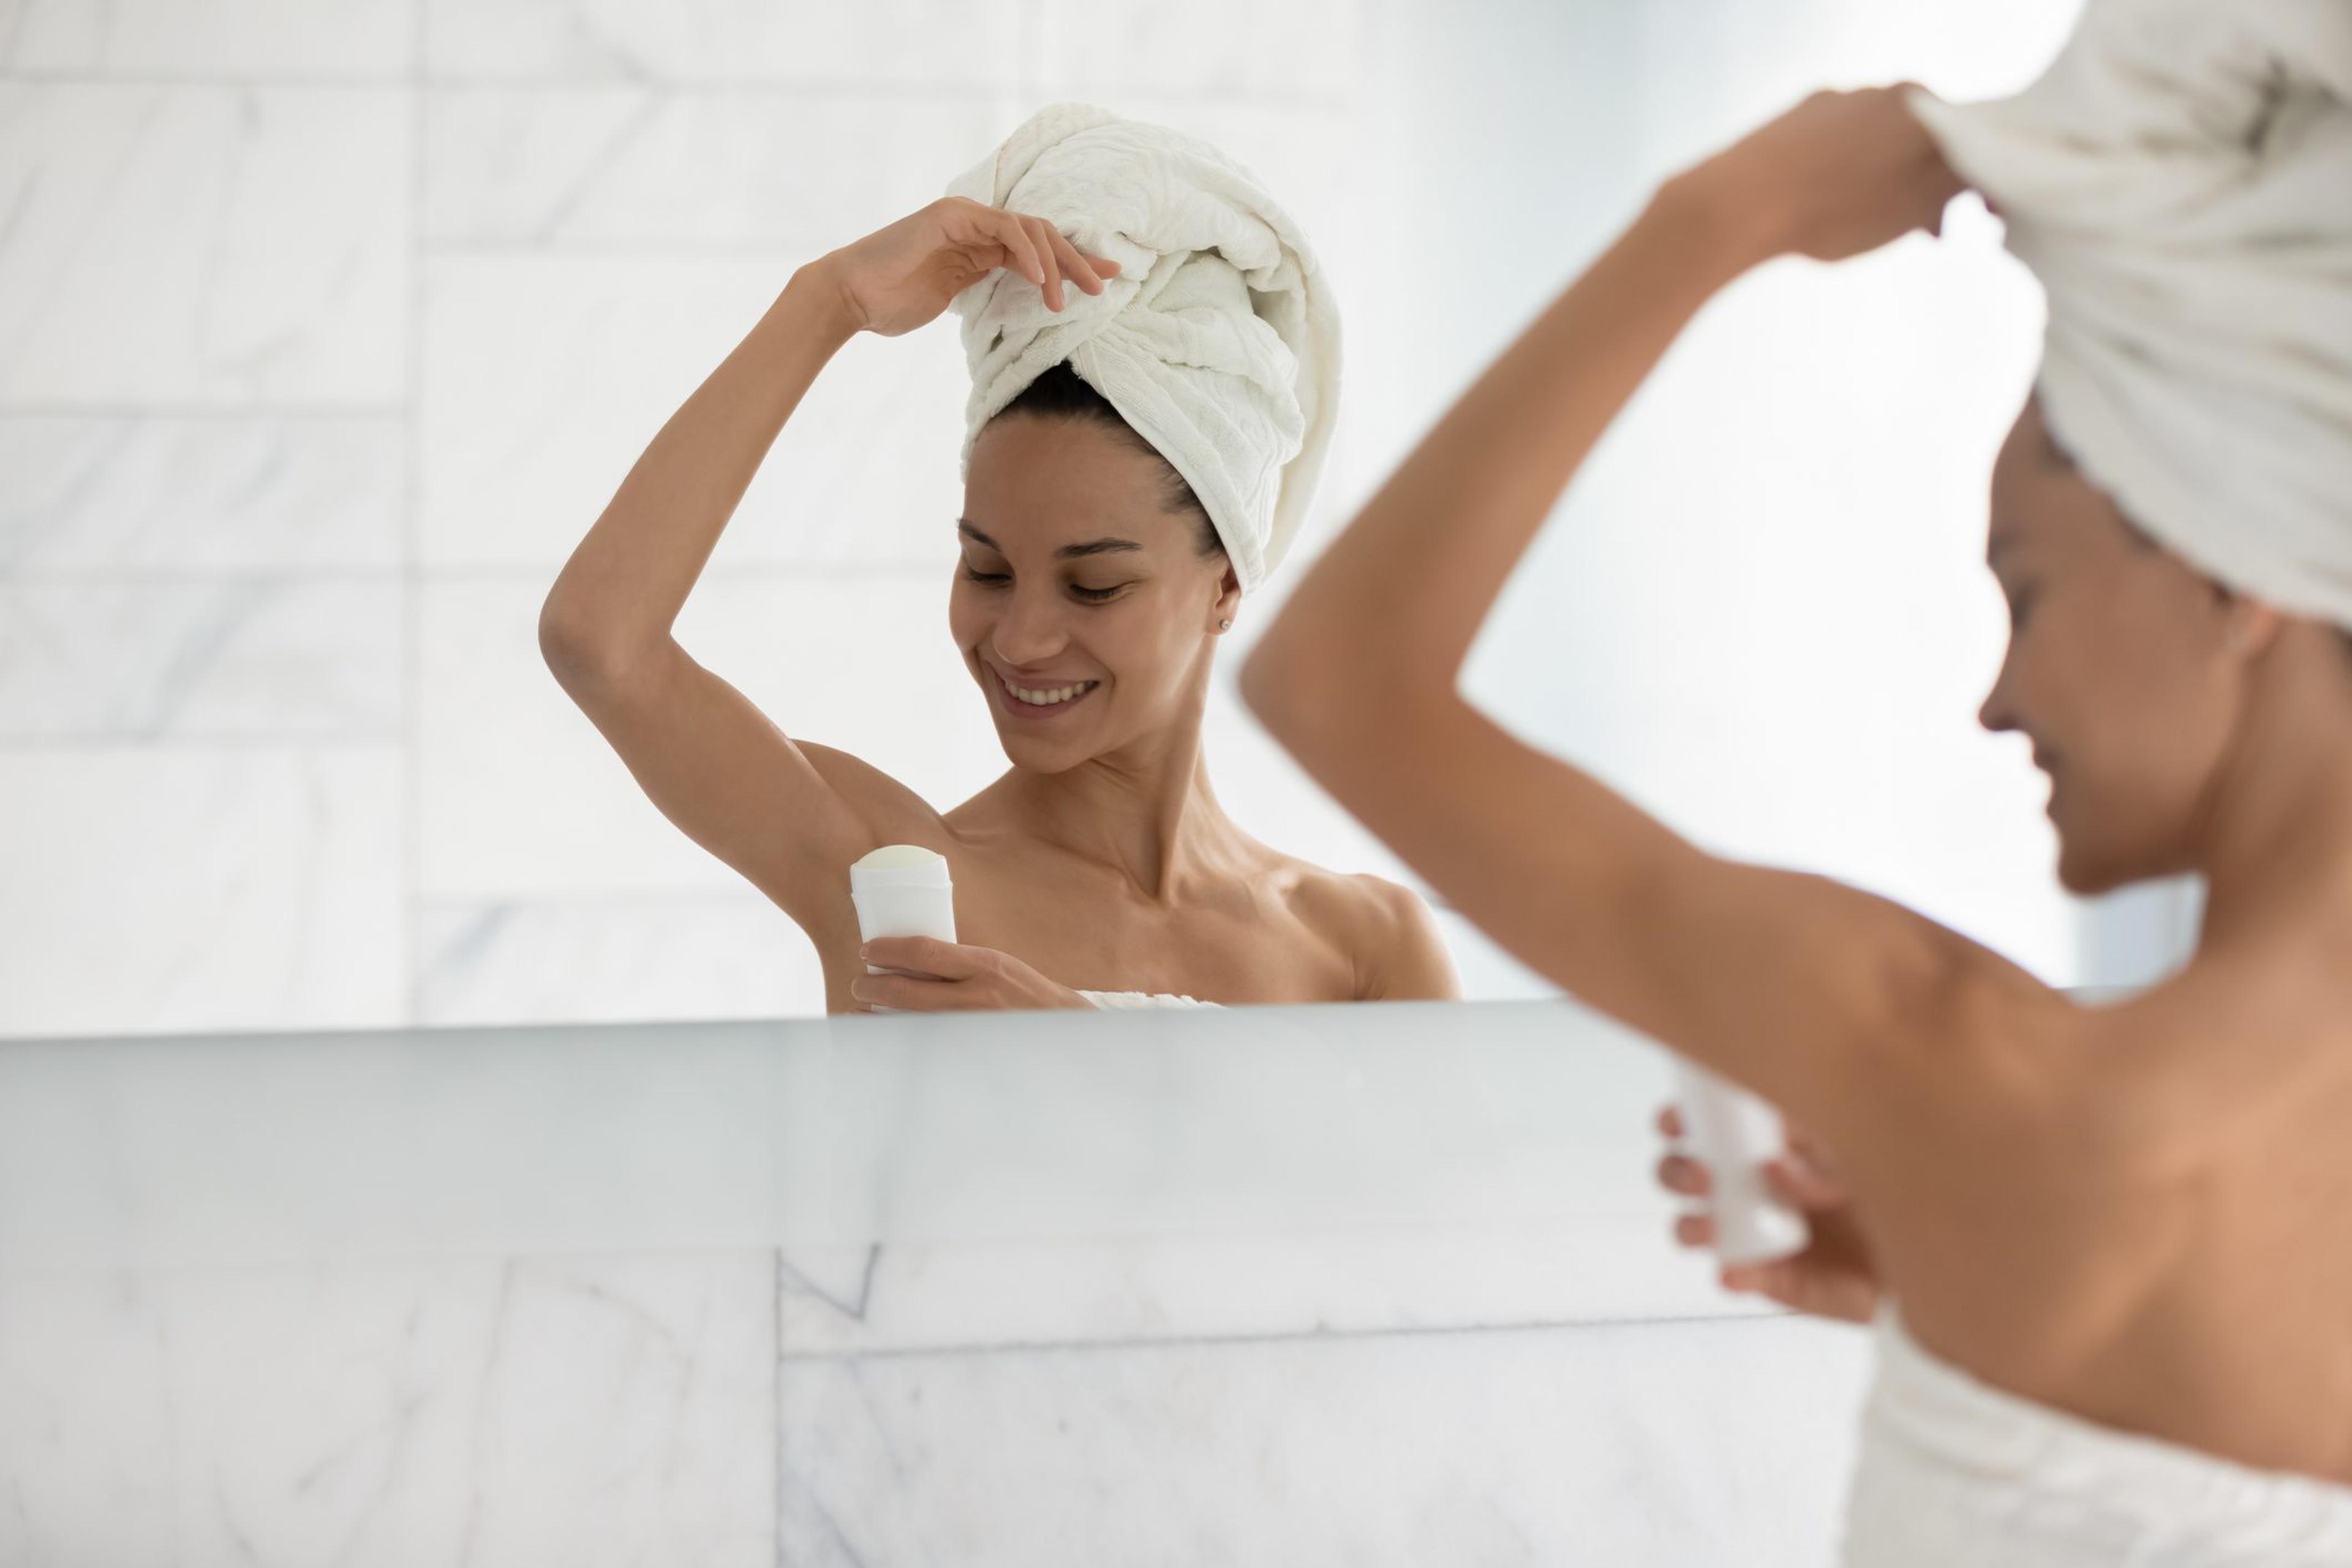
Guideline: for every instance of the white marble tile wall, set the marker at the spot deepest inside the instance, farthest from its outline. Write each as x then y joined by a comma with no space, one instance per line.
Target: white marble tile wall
617,1408
1637,1446
327,326
1267,1287
201,885
218,243
514,1411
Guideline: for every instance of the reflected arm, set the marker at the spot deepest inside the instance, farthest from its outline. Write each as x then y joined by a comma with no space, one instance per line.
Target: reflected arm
1792,983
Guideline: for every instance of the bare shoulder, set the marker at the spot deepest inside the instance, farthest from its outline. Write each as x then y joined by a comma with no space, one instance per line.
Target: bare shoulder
1388,933
2235,1041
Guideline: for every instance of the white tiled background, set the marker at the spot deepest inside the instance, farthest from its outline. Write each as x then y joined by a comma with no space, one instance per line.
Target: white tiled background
327,326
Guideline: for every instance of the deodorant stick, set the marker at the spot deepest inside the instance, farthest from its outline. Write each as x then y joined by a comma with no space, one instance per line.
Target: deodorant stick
902,889
1733,1132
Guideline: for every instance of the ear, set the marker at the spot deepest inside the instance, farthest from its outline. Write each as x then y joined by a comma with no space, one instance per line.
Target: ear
1229,599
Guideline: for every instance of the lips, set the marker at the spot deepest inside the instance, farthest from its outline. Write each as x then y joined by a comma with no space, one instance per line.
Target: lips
2047,762
1042,701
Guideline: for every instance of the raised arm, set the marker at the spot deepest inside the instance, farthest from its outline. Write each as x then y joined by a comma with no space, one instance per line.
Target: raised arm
787,815
1788,982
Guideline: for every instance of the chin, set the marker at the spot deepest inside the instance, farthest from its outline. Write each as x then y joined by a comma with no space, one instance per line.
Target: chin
1038,757
2087,881
2090,870
2085,868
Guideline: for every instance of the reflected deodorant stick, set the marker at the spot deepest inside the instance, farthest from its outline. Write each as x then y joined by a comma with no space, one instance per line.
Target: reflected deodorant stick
1733,1132
902,889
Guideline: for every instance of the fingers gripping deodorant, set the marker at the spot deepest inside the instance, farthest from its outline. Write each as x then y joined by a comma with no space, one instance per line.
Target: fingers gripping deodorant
1733,1132
902,889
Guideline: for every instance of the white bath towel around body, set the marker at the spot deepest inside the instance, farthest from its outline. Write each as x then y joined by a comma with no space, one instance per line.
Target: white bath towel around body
1954,1473
1218,342
2180,183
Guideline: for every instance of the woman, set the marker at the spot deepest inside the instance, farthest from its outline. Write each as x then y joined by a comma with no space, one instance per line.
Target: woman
1095,582
2121,1239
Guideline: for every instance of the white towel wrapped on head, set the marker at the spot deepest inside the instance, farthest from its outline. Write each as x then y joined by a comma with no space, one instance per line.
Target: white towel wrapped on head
1218,342
2180,182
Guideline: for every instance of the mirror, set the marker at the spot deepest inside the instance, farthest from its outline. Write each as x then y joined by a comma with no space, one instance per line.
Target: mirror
278,749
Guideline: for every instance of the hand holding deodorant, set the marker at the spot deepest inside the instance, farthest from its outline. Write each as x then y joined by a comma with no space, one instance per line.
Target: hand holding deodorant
1733,1132
902,889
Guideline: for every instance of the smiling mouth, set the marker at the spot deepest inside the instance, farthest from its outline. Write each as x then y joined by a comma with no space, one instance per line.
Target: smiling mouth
2048,765
1041,702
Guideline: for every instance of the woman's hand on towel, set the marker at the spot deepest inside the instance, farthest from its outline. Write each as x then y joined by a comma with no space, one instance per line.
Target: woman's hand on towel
899,277
950,978
1834,1277
1841,173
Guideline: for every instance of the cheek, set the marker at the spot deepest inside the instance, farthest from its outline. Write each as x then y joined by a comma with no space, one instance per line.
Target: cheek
2105,658
1140,641
2151,669
968,616
2146,720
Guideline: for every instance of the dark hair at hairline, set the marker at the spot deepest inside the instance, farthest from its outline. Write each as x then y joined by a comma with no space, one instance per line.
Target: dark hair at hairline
1061,393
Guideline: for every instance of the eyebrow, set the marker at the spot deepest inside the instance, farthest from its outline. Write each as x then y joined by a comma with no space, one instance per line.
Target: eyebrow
1067,551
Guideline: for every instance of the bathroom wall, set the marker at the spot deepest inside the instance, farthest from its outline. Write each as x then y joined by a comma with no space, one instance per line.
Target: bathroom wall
326,327
1307,1285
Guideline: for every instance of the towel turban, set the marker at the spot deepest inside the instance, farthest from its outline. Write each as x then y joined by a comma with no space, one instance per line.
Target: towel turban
2180,182
1218,343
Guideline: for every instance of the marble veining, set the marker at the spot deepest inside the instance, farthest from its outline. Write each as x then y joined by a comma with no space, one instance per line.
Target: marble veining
515,1411
1323,1284
901,42
126,497
721,955
543,376
243,660
1659,1444
203,244
360,39
646,167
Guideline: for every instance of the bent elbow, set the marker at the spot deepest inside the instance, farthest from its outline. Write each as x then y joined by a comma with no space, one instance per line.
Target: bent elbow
581,656
562,640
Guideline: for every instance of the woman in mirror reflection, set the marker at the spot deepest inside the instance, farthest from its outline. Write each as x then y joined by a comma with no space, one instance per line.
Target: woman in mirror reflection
1155,368
2108,1248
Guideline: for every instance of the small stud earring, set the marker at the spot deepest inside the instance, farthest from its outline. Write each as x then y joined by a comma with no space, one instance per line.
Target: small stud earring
1224,625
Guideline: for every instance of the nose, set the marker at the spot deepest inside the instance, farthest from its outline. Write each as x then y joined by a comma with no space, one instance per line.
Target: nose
1999,714
1030,631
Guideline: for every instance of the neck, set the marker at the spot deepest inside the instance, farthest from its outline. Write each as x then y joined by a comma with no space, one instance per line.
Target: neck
1145,810
2278,835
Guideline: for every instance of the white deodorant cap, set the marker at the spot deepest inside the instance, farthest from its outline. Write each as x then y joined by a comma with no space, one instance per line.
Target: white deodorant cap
900,866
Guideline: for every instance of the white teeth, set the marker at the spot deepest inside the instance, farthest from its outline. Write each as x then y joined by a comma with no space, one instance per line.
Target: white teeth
1049,696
